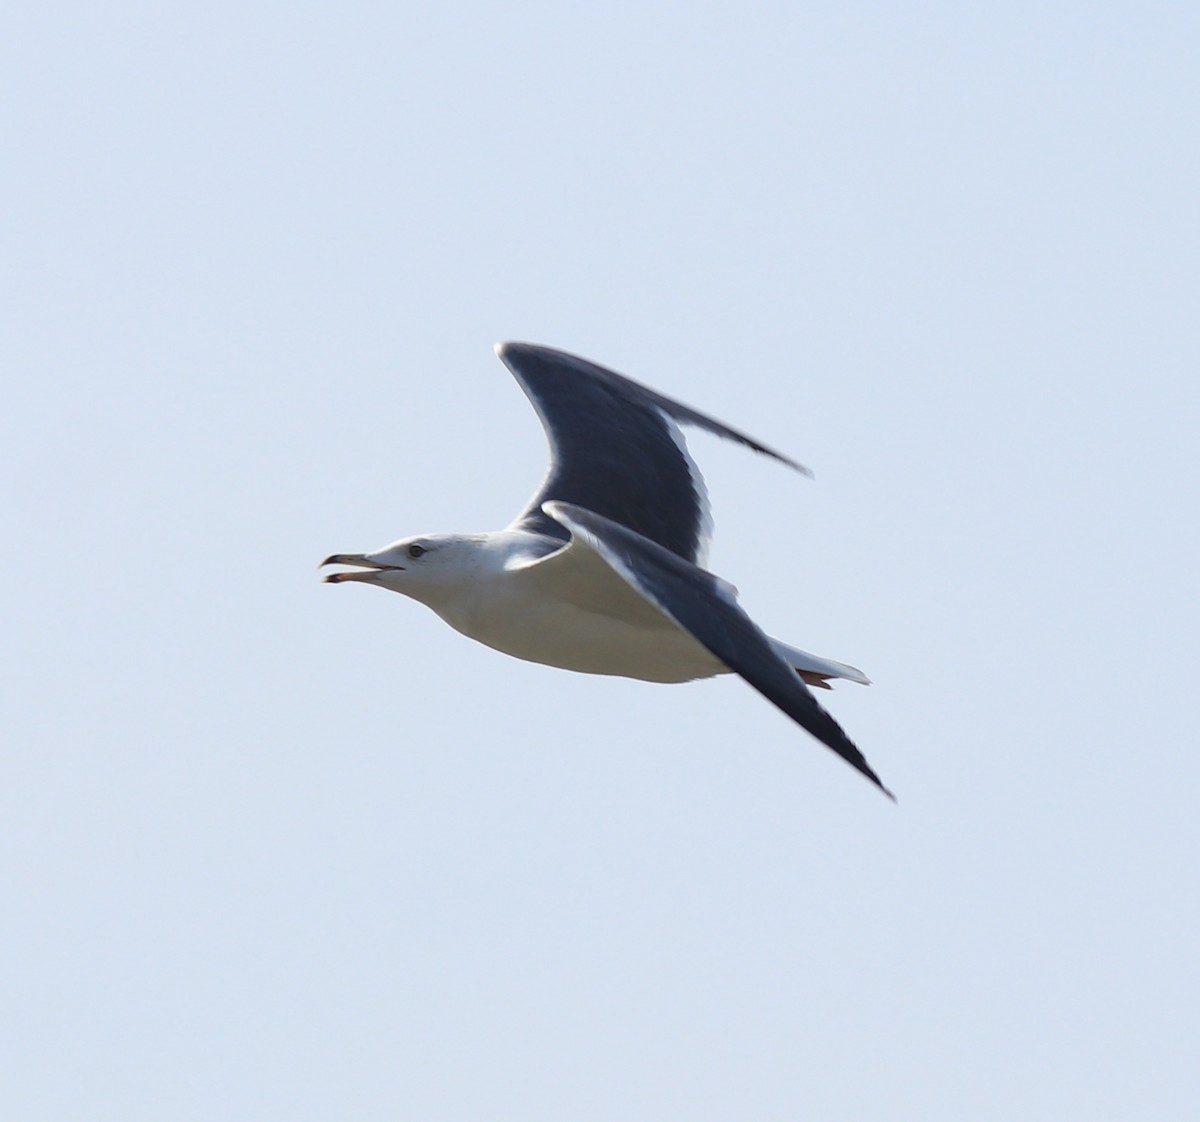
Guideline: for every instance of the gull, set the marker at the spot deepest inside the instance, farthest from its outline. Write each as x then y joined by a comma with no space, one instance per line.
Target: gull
602,572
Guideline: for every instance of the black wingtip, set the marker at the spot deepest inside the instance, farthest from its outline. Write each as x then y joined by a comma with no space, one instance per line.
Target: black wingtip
863,768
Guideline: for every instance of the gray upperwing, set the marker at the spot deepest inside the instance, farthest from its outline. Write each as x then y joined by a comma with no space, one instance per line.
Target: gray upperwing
696,600
614,449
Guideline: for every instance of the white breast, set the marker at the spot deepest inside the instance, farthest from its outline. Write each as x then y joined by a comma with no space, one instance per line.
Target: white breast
575,613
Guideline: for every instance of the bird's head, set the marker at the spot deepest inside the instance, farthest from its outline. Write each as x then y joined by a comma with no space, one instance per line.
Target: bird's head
427,567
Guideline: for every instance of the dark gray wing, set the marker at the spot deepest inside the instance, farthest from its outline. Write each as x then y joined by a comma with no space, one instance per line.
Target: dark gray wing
613,449
699,602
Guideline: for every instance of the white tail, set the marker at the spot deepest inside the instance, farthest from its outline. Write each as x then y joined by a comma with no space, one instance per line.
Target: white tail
816,671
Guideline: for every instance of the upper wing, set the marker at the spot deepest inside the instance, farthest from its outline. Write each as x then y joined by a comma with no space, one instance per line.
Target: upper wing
615,450
700,603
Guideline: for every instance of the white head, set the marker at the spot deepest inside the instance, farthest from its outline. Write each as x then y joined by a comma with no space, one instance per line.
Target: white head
429,567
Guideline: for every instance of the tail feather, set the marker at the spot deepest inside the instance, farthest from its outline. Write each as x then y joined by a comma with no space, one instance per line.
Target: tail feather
816,671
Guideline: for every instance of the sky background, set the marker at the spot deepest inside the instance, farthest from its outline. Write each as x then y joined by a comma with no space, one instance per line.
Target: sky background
274,850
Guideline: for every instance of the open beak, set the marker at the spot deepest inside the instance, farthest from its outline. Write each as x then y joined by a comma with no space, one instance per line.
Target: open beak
361,561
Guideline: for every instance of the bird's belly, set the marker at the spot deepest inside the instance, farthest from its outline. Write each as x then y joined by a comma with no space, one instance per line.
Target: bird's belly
559,634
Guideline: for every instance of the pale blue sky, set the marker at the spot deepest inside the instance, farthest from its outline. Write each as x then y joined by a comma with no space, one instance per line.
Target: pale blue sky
275,850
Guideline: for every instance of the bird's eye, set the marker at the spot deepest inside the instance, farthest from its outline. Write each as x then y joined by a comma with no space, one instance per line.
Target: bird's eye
415,551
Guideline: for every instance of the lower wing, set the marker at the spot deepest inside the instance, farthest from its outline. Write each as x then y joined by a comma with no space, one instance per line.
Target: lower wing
704,606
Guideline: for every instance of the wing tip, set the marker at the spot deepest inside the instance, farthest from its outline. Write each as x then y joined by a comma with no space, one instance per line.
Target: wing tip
865,769
859,763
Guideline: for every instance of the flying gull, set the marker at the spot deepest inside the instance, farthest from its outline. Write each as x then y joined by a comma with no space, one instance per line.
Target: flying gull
602,572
